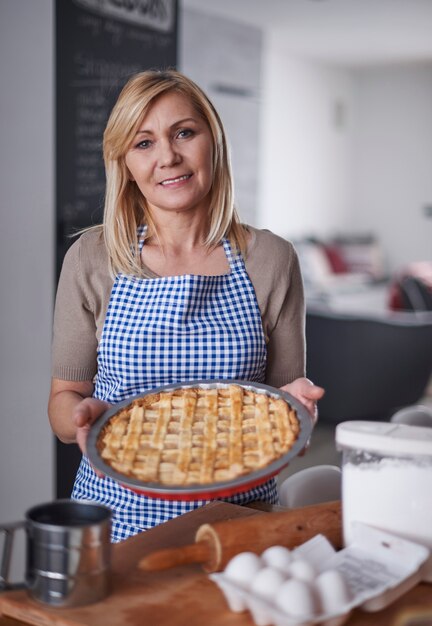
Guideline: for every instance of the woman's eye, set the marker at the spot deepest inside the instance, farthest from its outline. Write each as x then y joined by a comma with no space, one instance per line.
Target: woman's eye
184,133
145,143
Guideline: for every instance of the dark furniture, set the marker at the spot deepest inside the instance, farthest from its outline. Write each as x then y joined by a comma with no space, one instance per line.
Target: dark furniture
370,366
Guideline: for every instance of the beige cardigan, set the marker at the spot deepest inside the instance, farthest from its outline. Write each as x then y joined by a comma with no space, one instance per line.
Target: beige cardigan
85,287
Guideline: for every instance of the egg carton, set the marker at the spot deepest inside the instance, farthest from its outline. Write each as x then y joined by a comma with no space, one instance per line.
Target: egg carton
315,584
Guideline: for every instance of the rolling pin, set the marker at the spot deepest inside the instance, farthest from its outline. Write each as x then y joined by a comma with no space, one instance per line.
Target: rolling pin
215,544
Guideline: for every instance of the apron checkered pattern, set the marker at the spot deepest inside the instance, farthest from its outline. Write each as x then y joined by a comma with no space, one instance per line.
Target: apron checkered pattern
167,330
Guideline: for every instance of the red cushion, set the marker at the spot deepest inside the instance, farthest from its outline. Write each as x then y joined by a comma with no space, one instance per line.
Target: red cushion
336,259
395,298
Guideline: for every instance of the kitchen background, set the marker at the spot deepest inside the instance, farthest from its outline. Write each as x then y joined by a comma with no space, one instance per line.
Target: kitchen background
329,109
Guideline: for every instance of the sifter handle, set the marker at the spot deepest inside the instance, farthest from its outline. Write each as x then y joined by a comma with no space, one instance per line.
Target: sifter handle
9,531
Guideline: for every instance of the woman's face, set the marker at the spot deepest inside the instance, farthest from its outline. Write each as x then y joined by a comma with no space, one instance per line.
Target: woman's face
171,156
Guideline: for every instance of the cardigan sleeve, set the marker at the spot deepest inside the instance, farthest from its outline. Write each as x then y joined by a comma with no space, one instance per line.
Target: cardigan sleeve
286,353
273,267
74,344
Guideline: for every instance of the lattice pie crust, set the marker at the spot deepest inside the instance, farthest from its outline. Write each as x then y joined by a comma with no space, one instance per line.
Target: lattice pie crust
198,436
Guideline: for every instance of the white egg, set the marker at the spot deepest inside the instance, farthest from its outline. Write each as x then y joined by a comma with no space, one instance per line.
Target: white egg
243,567
277,556
303,570
333,591
297,598
267,581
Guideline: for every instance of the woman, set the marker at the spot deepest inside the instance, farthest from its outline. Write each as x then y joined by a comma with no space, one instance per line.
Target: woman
172,287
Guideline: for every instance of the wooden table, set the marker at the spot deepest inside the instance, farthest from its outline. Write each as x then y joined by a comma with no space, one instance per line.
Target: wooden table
182,596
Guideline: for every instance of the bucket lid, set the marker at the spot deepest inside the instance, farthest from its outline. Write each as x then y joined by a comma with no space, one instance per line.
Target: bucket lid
384,437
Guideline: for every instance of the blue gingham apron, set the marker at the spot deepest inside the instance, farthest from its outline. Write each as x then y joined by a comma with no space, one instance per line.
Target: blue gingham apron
166,330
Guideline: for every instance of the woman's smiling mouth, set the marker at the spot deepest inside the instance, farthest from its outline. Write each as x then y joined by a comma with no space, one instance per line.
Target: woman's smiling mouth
173,181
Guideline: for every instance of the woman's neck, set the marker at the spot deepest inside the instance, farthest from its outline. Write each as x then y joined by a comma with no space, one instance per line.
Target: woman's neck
179,231
178,248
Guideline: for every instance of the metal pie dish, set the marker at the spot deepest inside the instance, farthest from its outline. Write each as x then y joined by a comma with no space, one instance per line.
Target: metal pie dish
220,489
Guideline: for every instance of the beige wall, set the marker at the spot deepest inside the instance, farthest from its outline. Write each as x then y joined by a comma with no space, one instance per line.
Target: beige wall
392,159
26,253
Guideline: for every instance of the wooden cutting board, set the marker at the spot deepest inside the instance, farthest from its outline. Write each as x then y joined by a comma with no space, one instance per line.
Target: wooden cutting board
183,596
176,597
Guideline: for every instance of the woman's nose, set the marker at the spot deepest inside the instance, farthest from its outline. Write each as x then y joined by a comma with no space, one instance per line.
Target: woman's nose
168,155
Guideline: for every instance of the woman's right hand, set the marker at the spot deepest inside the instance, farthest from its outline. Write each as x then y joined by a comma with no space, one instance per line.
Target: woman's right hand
84,414
72,410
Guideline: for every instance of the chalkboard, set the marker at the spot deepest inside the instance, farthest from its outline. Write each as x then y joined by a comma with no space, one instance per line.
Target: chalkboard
99,45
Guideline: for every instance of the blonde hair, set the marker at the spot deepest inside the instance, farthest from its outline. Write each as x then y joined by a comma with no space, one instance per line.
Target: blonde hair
125,206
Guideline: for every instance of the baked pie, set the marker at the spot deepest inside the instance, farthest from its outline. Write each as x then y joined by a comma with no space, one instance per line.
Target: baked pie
194,435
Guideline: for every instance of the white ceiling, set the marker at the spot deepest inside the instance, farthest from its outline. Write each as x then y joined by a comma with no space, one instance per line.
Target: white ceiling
348,32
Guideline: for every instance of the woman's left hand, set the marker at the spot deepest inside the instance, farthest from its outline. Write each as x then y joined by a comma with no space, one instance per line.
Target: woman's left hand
307,393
